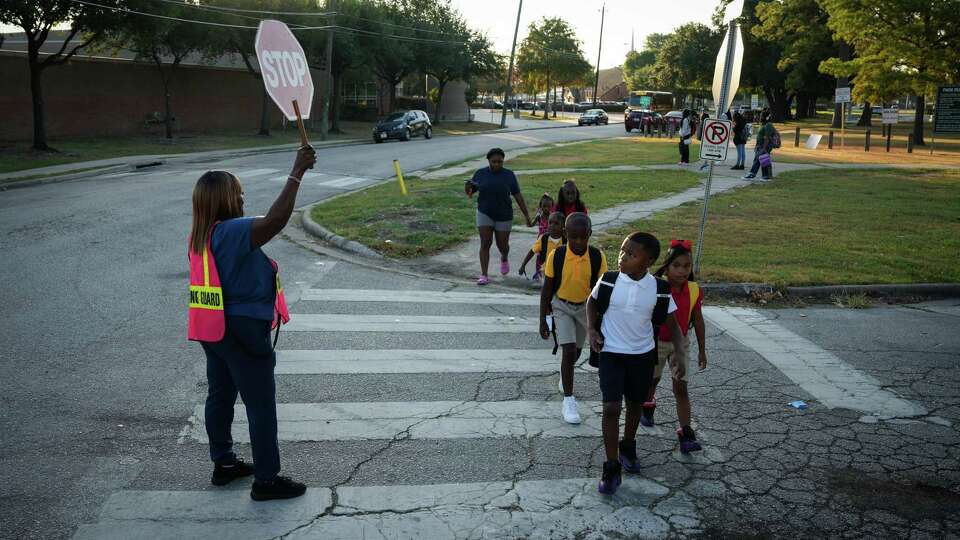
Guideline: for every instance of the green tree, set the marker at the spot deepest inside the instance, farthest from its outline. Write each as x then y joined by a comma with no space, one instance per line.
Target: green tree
639,68
551,54
38,18
165,43
686,59
800,27
901,46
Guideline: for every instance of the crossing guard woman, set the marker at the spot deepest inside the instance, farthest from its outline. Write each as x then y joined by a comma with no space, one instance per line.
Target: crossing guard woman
235,300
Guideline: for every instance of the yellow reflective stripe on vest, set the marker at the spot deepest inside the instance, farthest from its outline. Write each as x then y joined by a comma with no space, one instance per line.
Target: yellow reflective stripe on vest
202,297
206,268
279,286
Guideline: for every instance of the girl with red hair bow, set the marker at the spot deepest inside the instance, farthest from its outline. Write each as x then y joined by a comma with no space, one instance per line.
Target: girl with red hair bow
678,270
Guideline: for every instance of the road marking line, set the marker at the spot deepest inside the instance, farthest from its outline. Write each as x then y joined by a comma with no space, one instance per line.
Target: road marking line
408,323
425,420
307,362
501,509
822,374
250,173
420,297
344,182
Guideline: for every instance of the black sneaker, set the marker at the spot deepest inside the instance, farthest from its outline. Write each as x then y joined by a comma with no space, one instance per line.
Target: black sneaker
610,480
224,474
628,456
280,487
688,440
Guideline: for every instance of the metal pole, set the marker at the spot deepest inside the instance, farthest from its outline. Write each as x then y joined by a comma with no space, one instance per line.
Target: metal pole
596,80
513,50
327,75
724,91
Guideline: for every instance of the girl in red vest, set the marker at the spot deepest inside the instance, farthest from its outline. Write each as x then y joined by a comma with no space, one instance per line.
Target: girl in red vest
235,299
678,270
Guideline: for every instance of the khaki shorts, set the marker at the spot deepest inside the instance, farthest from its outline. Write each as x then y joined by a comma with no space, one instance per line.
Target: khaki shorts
571,322
679,367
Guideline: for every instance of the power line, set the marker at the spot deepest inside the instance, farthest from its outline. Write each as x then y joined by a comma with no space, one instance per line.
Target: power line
238,10
394,25
194,21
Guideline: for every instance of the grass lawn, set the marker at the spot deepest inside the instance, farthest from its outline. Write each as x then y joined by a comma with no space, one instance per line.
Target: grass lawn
437,215
17,156
825,227
630,150
849,148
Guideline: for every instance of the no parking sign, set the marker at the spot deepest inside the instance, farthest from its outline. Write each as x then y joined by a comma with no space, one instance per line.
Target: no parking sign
716,135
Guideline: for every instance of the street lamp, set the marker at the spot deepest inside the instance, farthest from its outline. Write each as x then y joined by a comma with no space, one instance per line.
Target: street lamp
596,80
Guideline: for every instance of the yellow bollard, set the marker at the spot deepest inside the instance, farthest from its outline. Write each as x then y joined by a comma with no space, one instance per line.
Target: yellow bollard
403,187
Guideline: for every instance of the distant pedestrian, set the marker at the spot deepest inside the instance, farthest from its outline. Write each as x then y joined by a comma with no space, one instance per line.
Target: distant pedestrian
235,295
568,199
686,133
544,245
700,125
624,312
495,185
570,272
767,139
740,140
678,270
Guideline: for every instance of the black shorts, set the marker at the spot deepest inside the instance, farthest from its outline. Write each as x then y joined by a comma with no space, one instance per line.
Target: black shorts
627,375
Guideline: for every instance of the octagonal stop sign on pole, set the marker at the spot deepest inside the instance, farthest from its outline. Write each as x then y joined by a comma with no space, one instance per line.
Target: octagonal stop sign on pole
286,74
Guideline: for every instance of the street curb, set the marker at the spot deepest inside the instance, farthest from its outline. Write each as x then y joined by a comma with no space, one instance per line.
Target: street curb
193,157
350,246
137,162
931,290
66,177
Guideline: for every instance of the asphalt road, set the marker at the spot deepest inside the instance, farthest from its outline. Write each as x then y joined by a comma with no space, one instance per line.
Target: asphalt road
94,363
100,390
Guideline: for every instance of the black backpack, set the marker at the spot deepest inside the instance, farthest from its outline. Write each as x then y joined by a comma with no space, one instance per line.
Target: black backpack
607,282
559,254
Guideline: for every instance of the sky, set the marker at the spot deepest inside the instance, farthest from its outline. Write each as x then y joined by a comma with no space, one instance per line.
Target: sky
497,18
641,17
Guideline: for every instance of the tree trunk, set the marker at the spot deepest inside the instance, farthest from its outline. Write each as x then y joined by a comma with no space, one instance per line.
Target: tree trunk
777,98
391,104
788,112
546,100
842,82
918,121
803,105
39,114
335,104
265,114
812,107
866,115
440,86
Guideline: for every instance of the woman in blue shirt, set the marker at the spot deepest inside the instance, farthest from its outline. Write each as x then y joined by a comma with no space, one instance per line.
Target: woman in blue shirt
494,186
243,361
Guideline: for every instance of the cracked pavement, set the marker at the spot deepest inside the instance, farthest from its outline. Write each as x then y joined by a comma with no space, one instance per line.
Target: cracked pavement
767,470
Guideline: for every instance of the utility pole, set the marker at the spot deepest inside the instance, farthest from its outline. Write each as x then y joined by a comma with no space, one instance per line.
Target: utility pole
596,80
327,75
513,50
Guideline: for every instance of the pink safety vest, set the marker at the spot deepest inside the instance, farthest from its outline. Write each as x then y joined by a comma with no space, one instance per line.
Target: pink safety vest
205,316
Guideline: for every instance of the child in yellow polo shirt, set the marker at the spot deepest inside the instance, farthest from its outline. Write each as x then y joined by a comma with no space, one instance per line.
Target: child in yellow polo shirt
570,273
550,240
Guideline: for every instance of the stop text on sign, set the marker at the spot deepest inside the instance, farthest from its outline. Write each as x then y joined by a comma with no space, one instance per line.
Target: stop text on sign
284,68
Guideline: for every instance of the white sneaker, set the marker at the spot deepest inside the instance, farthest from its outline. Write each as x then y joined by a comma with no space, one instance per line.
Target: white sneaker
570,413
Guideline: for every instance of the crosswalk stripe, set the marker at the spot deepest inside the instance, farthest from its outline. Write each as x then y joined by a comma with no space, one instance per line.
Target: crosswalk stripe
420,297
822,374
306,362
408,323
421,419
501,509
344,182
250,173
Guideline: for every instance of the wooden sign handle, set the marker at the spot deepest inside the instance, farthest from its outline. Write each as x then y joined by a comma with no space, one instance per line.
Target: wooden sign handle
303,131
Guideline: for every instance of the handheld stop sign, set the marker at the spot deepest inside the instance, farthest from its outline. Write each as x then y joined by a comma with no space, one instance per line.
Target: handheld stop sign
286,74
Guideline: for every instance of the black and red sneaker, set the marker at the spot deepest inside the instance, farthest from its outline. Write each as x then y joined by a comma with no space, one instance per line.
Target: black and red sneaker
646,419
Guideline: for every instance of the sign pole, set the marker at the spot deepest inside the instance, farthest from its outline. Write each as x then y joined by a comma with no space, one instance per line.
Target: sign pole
724,91
843,124
303,131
